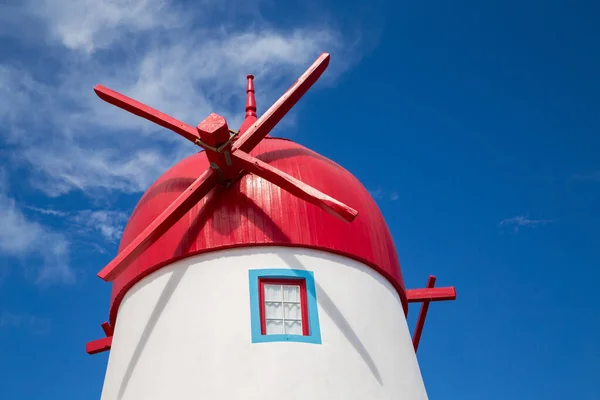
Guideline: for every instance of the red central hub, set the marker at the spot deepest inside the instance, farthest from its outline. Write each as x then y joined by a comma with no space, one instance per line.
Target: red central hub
215,133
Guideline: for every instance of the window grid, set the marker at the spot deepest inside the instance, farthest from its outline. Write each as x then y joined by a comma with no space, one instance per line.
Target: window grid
283,302
300,300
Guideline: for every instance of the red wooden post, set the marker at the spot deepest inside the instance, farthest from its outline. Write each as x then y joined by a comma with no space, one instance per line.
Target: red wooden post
422,315
250,100
250,106
108,330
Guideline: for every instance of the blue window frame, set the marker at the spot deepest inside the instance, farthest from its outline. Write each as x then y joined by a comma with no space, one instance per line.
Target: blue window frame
302,279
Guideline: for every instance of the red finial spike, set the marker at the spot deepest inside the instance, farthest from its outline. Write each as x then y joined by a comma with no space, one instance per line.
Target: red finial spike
250,100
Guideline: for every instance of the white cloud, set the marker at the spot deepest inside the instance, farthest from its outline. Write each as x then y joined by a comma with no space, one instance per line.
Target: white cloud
70,166
151,51
109,224
380,194
523,222
23,238
89,25
377,194
48,211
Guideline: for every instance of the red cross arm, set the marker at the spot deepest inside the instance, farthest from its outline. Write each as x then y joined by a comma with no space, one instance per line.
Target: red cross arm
294,186
147,112
431,294
186,200
281,107
98,346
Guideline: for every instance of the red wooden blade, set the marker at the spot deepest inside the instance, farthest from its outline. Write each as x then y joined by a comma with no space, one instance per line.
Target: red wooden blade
98,346
269,119
147,112
294,186
431,294
186,200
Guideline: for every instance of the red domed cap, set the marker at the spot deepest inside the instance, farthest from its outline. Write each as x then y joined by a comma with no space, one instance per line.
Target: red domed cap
255,212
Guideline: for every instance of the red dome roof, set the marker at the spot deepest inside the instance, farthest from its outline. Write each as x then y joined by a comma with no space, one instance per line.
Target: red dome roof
255,212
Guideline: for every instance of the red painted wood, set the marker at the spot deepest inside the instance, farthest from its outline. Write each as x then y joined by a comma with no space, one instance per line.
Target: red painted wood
255,212
262,306
108,330
99,346
147,112
294,186
159,226
304,308
280,108
431,294
422,316
250,100
247,123
214,132
284,281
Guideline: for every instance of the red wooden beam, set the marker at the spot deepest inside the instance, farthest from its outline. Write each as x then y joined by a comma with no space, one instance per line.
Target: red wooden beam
431,294
147,112
108,330
294,186
98,346
186,200
422,316
280,108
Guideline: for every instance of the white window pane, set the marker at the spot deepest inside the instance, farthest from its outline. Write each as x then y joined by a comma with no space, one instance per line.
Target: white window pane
292,311
273,293
274,327
291,293
273,310
293,327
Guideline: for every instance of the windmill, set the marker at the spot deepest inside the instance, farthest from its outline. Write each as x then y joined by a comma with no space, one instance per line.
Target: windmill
248,255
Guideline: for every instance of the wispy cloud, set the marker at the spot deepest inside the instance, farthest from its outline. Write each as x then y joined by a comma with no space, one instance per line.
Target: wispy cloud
522,221
31,323
25,239
381,194
154,52
89,25
48,211
108,223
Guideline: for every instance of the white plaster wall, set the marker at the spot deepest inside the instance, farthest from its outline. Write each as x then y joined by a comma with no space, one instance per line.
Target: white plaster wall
184,333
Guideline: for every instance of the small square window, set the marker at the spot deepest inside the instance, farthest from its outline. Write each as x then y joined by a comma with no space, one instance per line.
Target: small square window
283,306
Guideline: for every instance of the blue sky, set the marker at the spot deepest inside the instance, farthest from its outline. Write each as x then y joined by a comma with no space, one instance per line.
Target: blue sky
474,124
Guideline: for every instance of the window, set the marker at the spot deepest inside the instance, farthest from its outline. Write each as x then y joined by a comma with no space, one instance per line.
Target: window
283,306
